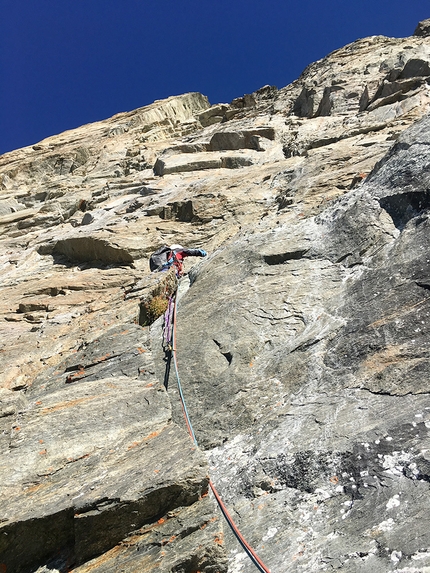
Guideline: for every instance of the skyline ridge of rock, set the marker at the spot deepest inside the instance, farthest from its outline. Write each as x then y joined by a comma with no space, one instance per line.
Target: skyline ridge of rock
302,338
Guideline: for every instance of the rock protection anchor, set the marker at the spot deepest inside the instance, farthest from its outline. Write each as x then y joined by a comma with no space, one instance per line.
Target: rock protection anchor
169,345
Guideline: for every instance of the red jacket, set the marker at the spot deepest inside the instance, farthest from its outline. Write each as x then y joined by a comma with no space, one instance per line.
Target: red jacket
179,256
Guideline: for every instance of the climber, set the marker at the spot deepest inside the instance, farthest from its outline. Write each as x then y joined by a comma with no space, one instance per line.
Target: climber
166,257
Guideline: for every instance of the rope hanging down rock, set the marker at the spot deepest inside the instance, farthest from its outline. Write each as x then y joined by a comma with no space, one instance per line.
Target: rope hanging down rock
169,329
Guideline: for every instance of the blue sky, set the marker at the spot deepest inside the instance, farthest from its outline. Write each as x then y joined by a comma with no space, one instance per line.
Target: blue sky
64,63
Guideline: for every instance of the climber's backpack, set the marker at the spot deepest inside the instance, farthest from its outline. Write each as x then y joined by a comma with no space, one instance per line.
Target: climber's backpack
159,258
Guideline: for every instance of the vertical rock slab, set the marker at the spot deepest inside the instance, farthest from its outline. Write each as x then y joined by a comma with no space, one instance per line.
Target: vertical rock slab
189,539
120,464
314,404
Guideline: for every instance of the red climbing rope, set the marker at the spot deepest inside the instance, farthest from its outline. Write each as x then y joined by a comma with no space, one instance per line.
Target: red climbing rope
251,553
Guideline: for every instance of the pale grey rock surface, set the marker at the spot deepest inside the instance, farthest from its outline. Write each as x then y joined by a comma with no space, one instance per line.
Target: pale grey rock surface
302,338
329,330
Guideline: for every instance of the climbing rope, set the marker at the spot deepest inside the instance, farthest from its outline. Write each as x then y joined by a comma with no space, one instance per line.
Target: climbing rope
248,549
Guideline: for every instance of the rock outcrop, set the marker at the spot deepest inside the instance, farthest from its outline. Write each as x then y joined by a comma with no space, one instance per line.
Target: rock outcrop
302,339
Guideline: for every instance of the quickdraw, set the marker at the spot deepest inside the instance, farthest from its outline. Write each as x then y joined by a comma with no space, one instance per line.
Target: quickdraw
167,326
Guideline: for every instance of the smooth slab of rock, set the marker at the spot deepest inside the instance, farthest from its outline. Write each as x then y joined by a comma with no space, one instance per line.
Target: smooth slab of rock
318,363
190,538
86,249
120,351
88,464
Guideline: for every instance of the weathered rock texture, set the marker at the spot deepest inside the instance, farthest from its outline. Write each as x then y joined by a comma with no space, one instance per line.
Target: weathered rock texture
303,338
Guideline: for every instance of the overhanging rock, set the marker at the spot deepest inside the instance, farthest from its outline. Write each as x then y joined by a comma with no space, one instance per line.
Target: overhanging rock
120,466
88,249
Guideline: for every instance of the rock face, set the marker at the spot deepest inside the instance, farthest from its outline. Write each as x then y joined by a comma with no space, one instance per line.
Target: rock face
302,339
423,28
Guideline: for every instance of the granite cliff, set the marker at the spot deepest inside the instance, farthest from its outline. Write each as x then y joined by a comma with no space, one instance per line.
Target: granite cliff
302,339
